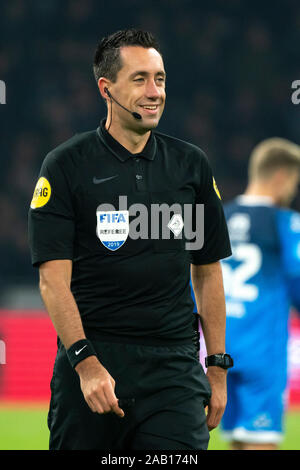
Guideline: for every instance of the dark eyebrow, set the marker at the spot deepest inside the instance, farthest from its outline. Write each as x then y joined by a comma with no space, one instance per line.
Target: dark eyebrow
145,74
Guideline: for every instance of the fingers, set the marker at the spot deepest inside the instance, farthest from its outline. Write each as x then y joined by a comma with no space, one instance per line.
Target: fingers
112,401
214,416
101,398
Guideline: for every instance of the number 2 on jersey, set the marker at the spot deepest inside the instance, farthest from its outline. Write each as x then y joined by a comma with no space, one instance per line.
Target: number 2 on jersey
236,280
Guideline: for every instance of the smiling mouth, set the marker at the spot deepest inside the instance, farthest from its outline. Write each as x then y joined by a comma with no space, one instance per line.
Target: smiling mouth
150,107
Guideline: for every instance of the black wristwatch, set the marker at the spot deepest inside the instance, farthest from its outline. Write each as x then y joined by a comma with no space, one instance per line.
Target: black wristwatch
220,360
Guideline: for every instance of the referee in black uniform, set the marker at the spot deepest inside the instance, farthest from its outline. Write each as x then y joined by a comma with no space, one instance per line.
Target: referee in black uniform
126,375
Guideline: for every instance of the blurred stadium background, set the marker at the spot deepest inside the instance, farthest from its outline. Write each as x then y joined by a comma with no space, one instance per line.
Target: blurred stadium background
230,67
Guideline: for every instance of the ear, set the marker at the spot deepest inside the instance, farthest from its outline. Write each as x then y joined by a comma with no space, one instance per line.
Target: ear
103,83
281,174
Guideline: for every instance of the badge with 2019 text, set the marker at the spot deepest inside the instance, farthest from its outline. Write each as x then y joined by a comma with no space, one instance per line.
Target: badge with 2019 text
112,228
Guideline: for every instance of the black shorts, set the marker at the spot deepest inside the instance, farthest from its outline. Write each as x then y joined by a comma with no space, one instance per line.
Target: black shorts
162,389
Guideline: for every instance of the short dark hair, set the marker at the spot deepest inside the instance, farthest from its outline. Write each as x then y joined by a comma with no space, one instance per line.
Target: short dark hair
272,154
107,59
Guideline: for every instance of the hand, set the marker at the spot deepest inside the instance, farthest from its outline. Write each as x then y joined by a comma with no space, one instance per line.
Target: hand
98,387
216,407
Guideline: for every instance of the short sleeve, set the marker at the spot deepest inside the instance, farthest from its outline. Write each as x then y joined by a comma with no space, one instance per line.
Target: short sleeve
51,215
216,244
288,223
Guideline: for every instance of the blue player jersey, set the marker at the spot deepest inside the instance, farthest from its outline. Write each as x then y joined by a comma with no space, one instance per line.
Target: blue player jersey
261,281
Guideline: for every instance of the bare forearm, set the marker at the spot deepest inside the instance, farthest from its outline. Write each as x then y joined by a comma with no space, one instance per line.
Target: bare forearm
61,306
209,293
64,313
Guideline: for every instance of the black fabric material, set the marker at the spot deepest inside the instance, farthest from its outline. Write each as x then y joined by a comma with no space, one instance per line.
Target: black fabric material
163,391
142,288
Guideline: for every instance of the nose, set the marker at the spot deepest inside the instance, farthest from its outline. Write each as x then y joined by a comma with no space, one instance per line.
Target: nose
152,90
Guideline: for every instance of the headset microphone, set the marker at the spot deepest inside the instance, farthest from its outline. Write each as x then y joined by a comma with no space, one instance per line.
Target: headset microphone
134,114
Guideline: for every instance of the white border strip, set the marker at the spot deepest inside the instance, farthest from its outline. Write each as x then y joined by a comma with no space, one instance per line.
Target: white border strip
253,437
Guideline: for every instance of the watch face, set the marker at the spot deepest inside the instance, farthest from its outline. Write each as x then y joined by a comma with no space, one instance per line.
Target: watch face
220,360
228,362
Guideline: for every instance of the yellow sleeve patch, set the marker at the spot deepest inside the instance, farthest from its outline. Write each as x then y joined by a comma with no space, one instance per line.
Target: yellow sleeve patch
216,188
42,193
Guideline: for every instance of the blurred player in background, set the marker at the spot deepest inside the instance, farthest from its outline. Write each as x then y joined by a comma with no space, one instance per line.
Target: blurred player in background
262,282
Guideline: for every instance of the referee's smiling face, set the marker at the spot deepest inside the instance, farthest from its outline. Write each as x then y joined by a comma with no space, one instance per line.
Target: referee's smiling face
140,87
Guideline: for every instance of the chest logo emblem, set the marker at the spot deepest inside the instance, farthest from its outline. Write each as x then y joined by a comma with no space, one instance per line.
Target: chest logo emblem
102,180
113,228
176,224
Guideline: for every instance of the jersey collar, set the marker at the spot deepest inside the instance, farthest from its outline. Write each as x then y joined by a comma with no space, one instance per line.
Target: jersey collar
121,152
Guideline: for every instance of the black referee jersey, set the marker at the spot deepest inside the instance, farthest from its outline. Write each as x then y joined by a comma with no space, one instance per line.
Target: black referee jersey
127,286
